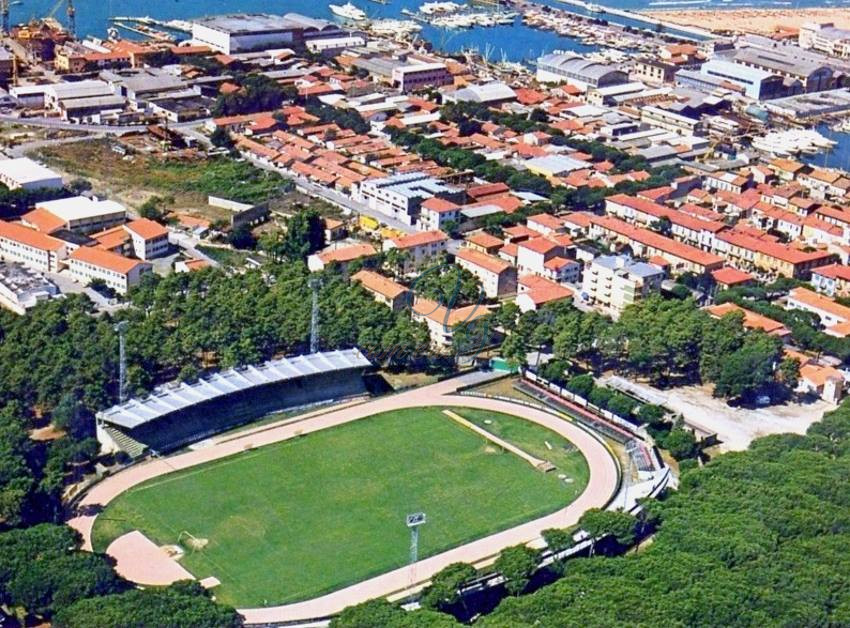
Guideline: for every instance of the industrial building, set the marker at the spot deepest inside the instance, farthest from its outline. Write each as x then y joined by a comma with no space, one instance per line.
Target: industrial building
400,196
756,83
578,71
26,174
250,32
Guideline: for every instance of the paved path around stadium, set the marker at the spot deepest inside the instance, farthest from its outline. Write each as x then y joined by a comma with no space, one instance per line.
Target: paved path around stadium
602,485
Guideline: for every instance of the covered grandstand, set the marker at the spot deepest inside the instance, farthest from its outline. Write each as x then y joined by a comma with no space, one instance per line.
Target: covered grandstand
178,413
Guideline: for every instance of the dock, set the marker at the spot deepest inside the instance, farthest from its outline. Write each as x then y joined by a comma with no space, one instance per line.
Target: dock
598,9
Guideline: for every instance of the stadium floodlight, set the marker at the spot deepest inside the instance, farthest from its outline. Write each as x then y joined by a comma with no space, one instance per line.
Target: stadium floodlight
413,521
121,328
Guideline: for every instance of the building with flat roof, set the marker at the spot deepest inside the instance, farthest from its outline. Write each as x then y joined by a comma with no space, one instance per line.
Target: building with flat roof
401,196
615,282
757,83
248,32
825,37
78,213
22,288
24,173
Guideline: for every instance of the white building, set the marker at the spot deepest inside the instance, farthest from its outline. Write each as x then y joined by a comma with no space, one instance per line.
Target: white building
30,247
497,277
149,239
120,273
615,282
419,248
435,212
24,173
251,32
22,288
400,196
78,213
416,76
546,257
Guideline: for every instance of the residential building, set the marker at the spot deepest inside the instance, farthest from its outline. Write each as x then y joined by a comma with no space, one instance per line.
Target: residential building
497,277
534,292
442,322
383,290
825,37
418,76
418,248
831,314
547,257
342,255
120,273
615,282
751,320
645,243
832,280
435,212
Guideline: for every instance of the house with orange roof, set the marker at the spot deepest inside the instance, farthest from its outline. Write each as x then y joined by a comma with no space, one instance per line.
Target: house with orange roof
483,242
831,313
383,289
31,248
751,320
534,292
148,239
497,277
87,264
418,248
545,224
645,243
342,255
547,257
435,212
190,265
442,322
729,277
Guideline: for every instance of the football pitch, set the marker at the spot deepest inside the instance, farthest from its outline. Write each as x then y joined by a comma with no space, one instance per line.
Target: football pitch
299,518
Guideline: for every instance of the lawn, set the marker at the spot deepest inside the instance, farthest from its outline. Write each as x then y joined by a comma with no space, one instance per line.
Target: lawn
292,520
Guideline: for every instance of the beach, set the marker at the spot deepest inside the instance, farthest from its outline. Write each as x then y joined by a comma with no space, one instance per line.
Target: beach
763,21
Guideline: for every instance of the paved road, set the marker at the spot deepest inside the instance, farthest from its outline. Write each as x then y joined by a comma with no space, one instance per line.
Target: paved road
111,129
22,149
602,486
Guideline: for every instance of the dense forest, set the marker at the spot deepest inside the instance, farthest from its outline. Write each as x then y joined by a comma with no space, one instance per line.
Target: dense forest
755,538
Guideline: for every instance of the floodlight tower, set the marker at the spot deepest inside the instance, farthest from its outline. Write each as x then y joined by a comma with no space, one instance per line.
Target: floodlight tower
414,521
314,284
121,328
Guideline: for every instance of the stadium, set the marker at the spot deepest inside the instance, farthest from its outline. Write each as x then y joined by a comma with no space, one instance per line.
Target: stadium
297,519
180,413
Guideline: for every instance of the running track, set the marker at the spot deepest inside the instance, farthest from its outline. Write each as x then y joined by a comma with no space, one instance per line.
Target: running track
602,485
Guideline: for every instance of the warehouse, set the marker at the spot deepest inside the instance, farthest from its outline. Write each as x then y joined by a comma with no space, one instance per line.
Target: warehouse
578,71
26,174
247,32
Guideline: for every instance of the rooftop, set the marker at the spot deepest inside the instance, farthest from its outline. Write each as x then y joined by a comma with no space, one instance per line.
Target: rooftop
179,395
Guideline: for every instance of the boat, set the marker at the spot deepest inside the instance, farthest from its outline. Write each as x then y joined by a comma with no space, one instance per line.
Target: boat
595,8
348,11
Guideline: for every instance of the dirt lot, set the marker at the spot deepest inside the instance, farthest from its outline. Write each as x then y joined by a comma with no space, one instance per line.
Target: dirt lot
737,427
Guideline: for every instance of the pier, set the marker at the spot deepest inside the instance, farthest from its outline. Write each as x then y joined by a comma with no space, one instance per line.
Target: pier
597,9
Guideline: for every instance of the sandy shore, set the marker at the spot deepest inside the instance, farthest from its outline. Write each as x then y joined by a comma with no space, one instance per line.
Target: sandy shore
763,21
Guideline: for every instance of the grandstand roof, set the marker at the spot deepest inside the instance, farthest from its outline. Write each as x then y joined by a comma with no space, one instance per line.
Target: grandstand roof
178,396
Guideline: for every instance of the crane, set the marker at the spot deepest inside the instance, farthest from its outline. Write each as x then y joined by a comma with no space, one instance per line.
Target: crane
70,11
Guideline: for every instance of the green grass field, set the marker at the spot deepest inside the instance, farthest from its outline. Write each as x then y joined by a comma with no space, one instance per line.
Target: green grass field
296,519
